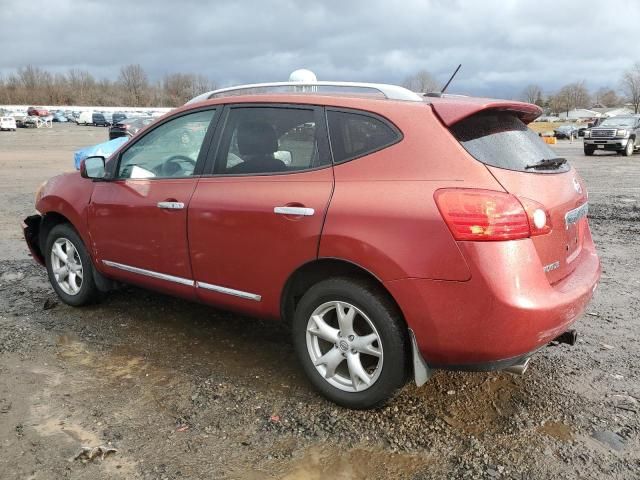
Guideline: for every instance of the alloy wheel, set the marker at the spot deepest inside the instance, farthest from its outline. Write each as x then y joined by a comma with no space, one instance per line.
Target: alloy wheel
344,346
67,266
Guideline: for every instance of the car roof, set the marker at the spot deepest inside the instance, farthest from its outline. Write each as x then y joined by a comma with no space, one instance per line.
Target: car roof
450,109
368,96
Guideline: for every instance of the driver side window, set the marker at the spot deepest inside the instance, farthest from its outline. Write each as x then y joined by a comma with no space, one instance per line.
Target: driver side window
169,151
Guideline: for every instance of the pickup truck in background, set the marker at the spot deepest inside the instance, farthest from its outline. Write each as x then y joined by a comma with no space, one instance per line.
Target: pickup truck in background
618,134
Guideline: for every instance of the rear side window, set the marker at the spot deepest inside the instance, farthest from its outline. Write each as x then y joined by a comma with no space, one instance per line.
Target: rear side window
502,140
354,135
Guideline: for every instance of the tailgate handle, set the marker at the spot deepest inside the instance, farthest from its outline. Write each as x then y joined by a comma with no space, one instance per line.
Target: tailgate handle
298,211
171,205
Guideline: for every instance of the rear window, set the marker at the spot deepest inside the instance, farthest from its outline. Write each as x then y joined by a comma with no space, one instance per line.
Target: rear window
502,140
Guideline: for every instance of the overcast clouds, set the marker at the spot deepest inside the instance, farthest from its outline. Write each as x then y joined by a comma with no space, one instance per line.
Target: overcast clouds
502,44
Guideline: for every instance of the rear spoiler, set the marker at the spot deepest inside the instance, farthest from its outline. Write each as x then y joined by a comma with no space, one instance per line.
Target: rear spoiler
452,109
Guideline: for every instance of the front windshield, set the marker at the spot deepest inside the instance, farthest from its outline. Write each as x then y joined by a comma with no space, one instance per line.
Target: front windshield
619,122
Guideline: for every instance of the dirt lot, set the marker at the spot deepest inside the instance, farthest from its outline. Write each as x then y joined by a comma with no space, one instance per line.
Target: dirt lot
184,391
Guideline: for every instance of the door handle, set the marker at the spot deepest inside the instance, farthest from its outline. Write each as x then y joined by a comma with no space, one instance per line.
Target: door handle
298,211
171,205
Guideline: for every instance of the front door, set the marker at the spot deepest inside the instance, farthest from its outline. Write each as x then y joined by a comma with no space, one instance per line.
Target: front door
138,220
260,215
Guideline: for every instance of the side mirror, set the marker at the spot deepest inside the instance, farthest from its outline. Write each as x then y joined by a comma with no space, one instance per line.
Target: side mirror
92,167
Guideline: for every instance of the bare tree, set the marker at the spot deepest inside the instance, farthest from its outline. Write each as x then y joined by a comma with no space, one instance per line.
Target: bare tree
81,85
573,95
33,78
532,93
606,97
180,87
422,82
135,84
631,86
35,86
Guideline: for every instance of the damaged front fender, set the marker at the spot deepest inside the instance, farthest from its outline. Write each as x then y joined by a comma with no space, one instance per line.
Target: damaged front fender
31,231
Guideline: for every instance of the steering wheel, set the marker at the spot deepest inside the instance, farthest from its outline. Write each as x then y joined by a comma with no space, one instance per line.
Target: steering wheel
172,165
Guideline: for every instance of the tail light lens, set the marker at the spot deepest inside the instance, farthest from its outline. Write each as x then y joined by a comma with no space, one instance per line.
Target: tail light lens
487,215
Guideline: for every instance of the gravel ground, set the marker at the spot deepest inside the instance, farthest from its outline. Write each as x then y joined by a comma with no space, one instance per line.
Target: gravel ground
184,391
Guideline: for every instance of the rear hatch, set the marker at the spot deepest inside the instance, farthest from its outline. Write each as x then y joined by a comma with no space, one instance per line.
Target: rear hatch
527,168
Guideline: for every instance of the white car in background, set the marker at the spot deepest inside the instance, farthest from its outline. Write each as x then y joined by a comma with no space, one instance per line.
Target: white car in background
8,123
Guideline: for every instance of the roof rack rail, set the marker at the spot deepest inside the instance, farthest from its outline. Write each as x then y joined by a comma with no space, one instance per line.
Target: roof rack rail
390,92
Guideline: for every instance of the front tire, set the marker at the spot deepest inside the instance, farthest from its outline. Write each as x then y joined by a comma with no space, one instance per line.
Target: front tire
588,151
69,266
351,342
629,149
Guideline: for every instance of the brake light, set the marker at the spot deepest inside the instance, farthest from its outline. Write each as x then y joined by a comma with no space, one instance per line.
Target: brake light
487,215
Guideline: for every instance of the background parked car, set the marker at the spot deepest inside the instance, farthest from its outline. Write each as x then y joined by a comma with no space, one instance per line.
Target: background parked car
108,116
117,117
566,131
30,121
98,119
128,127
59,117
19,118
85,118
8,123
37,111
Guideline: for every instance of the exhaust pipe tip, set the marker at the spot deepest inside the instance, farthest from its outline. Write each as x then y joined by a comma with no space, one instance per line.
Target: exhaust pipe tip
519,368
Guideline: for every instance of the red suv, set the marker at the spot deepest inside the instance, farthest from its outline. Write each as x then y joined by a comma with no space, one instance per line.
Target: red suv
37,111
395,233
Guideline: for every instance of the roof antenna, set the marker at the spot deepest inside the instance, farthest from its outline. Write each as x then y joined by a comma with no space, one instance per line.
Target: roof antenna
441,92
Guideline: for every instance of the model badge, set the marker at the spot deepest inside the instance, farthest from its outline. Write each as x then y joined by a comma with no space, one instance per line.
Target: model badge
576,185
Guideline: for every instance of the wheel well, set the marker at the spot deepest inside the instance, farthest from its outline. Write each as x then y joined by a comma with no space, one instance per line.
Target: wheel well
313,272
50,220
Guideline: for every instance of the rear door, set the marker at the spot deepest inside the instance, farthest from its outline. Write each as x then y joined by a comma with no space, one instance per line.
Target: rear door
259,215
510,150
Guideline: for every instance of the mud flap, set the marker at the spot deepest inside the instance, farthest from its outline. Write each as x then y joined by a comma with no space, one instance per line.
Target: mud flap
421,371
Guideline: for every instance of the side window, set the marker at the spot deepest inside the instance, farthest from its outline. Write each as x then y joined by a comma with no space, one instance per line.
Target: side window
169,151
354,135
259,140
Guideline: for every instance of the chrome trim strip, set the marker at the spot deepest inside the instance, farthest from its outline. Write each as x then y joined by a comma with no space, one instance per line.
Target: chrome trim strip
229,291
303,211
183,281
572,216
149,273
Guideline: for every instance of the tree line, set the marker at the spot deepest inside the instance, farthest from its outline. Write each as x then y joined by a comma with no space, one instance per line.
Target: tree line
570,96
35,86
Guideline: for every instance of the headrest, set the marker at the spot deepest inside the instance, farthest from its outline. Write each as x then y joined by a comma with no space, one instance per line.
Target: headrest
256,138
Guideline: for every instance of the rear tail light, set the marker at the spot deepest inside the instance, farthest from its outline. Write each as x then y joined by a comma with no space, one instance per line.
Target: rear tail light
487,215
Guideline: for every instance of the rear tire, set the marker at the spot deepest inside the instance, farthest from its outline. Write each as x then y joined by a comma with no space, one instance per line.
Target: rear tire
70,267
588,151
351,342
630,148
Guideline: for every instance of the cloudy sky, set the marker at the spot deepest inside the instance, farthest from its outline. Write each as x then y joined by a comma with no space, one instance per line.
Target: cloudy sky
502,44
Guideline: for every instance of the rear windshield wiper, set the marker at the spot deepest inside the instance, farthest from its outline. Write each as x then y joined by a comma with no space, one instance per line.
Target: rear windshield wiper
547,164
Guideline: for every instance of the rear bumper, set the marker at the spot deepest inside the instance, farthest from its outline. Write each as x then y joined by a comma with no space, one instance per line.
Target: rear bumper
31,232
506,311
